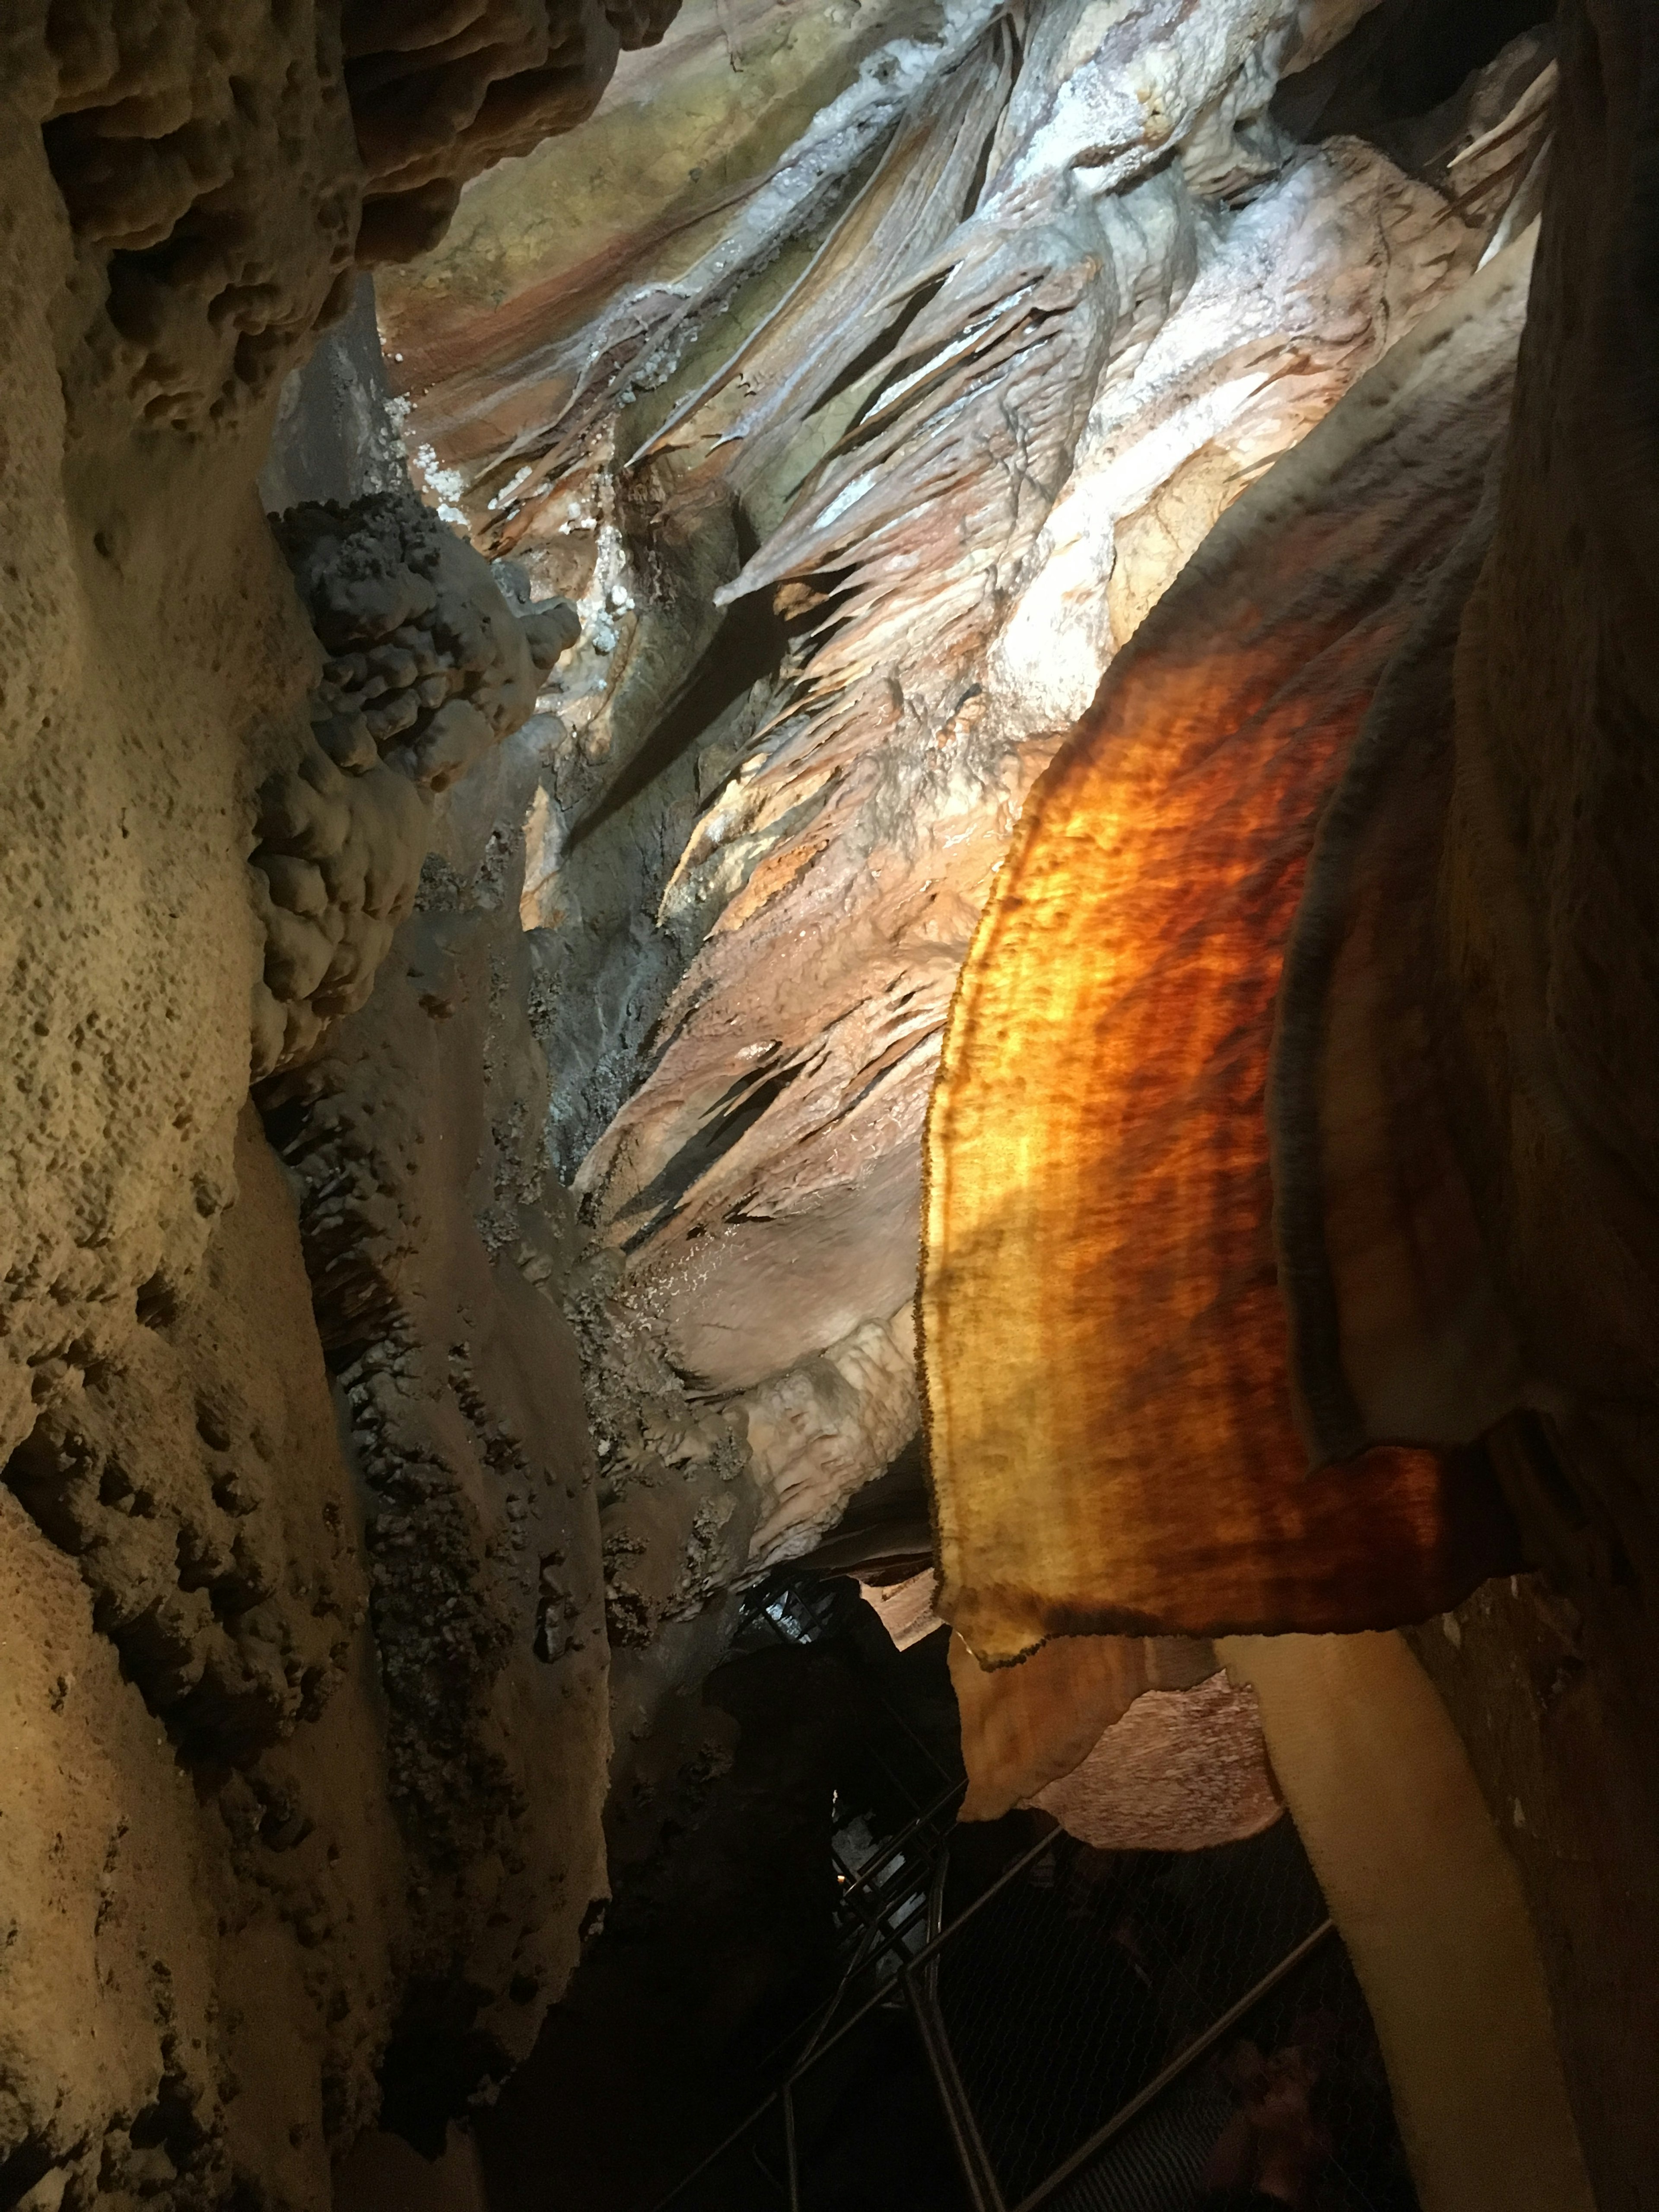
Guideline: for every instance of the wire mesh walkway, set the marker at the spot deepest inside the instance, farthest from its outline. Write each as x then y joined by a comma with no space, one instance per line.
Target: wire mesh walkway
1022,2023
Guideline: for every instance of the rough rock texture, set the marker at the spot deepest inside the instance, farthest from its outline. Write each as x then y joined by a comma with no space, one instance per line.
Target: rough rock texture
228,1590
913,331
414,1138
1132,1743
341,1725
215,1919
835,473
196,1851
181,211
430,669
129,728
1183,1770
165,134
1024,1727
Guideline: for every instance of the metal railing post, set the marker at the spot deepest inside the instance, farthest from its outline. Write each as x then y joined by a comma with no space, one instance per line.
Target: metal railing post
922,1993
982,2191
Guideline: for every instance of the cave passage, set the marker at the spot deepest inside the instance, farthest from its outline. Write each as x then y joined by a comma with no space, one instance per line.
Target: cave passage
995,2015
829,1159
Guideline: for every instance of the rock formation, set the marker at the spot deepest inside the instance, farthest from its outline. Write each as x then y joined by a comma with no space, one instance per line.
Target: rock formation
1102,1216
845,513
474,1005
841,474
1434,1203
271,1839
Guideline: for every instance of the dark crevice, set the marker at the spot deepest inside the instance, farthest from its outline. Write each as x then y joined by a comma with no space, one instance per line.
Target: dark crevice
1398,62
748,646
732,1118
435,2062
880,347
21,2169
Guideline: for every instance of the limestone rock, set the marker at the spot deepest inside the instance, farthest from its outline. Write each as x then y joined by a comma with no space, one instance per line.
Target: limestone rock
414,1141
430,668
836,484
195,1847
1183,1770
213,1933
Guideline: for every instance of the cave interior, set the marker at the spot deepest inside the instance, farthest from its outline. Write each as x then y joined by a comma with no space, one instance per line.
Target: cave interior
829,885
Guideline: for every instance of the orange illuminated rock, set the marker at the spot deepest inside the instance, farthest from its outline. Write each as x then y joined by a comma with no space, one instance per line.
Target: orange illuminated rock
1025,1727
1107,1364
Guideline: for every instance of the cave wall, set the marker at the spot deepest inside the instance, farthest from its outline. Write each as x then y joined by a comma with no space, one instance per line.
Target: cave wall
316,1574
1455,1224
837,474
158,287
1558,1751
1430,1907
203,1877
804,718
841,571
274,1796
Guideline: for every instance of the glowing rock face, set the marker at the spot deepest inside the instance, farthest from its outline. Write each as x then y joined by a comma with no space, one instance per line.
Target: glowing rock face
1182,1770
1024,1727
1028,1726
1114,1438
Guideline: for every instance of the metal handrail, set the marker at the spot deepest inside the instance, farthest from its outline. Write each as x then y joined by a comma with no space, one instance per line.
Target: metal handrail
980,2182
918,1979
1177,2066
929,1950
866,1956
922,1991
898,1842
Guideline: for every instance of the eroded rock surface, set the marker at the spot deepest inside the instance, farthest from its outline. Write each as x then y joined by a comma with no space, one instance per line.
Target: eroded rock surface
198,1851
226,1849
430,669
414,1141
1183,1770
920,359
837,475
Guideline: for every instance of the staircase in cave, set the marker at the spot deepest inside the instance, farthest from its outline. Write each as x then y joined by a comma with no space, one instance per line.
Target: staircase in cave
1022,2021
